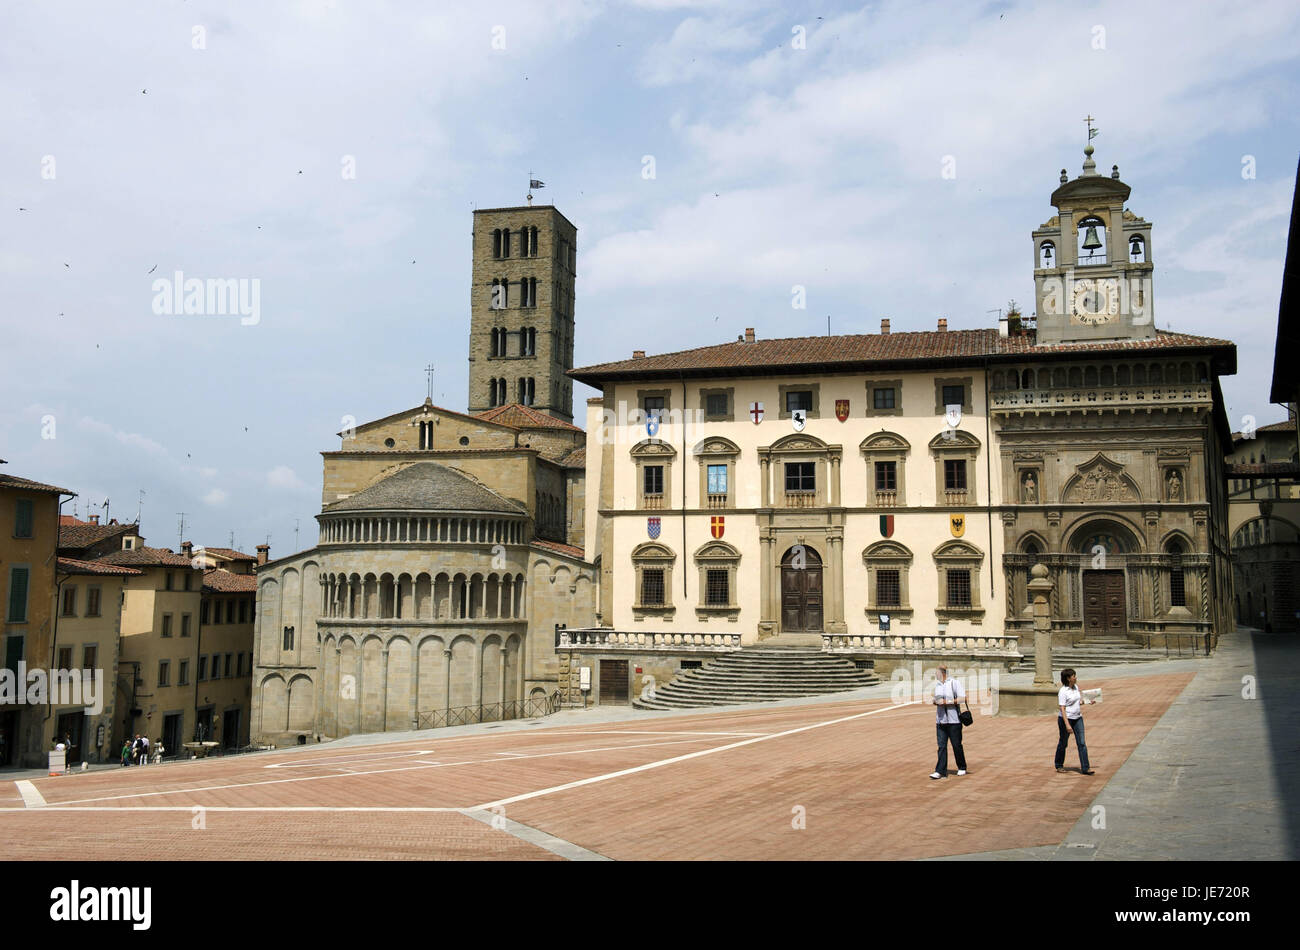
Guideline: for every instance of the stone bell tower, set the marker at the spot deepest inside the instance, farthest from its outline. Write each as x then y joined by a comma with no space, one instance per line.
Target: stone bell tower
1092,262
521,309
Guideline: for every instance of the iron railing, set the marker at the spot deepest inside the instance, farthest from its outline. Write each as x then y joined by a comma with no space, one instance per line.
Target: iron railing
533,708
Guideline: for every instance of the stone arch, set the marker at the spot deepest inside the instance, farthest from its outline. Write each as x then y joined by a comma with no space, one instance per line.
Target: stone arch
883,439
464,671
491,654
275,703
328,723
955,439
514,651
1100,479
268,621
799,442
431,668
302,703
1034,538
397,701
1079,536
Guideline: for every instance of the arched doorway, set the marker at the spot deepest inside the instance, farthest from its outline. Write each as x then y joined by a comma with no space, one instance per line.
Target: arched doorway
1105,604
801,590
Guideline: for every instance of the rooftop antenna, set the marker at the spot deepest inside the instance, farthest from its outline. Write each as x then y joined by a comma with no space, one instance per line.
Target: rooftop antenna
105,507
828,324
181,530
139,506
232,540
429,372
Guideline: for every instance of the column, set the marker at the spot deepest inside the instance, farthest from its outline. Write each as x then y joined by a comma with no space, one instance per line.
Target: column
766,477
383,688
415,684
501,679
835,623
446,681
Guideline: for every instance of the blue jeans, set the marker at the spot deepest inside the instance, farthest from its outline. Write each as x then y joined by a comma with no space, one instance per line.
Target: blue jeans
1077,726
945,731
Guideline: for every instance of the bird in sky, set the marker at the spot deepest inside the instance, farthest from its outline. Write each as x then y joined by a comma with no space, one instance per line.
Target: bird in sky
144,92
152,269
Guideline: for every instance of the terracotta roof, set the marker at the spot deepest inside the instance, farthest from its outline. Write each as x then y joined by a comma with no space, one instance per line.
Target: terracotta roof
519,416
26,484
427,486
83,534
146,557
71,565
1262,469
224,582
230,554
575,459
872,350
567,549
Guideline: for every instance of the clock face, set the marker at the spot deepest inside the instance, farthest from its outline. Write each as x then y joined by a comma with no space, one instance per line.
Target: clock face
1095,301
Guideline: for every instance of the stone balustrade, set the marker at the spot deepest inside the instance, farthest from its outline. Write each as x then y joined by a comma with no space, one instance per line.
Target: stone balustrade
896,645
606,639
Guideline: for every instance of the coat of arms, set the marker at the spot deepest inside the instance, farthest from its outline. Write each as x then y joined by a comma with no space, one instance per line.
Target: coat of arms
953,414
799,419
652,528
756,412
652,425
886,526
842,409
958,525
717,525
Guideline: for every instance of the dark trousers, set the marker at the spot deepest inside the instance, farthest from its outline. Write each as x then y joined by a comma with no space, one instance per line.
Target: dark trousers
1077,726
945,732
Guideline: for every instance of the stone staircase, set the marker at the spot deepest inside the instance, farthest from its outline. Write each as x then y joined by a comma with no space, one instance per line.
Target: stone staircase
759,674
1092,652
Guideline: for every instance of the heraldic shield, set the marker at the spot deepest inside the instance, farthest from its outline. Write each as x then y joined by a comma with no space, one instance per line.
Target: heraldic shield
886,526
652,528
958,524
842,410
717,526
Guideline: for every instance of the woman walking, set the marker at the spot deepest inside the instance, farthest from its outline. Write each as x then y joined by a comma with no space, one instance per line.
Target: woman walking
1070,700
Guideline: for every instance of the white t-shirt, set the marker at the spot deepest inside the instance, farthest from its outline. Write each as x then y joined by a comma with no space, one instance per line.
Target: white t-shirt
947,691
1069,697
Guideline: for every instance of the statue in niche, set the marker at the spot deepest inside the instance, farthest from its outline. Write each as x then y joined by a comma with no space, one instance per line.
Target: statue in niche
1029,491
1174,486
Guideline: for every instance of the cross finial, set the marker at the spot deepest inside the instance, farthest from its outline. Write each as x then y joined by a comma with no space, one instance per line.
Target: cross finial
429,372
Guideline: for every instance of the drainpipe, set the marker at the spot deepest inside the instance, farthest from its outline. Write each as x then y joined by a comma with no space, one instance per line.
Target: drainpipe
682,479
58,597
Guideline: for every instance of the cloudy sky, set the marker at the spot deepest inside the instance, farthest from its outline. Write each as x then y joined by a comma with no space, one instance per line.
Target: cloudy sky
712,155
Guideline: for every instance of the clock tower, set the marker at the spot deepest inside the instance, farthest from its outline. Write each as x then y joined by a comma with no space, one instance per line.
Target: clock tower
1092,262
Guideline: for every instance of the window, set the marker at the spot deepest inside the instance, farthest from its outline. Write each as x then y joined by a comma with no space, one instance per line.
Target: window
230,659
884,398
803,396
954,475
23,518
886,476
654,479
189,581
69,601
800,476
958,588
796,399
954,395
716,457
652,586
183,674
886,455
717,591
716,405
167,580
288,639
92,601
505,242
717,478
164,669
216,666
13,652
654,405
1177,582
203,668
230,611
89,655
18,577
185,625
888,589
65,659
953,391
166,625
216,612
243,610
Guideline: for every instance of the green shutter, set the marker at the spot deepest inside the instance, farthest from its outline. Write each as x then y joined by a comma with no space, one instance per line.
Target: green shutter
23,518
18,594
13,652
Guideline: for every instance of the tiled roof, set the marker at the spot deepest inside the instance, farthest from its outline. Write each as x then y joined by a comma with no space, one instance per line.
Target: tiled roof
1262,469
147,557
427,486
844,353
566,549
524,417
26,484
83,534
1286,425
224,582
71,565
575,459
230,554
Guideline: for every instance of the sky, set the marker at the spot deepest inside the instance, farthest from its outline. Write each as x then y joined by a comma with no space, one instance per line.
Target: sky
890,159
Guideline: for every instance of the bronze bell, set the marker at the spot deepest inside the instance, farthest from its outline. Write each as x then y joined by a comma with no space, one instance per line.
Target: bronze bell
1135,249
1090,240
1047,255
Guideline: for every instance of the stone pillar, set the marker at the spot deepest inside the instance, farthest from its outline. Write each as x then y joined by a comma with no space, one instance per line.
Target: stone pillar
501,681
383,688
766,478
835,624
1039,697
446,681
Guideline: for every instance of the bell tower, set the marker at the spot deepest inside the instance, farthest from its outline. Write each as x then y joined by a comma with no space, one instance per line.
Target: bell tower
1092,262
521,309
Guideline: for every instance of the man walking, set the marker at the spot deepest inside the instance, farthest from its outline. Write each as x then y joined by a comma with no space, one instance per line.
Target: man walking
948,695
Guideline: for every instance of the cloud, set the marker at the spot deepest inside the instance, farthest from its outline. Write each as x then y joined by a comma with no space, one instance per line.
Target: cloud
283,477
215,497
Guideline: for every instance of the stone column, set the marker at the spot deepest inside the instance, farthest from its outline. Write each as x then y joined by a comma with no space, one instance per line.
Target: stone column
415,684
446,680
502,678
835,624
383,688
1039,589
766,476
361,687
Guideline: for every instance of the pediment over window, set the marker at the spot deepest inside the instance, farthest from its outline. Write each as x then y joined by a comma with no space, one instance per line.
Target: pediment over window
885,442
717,446
653,448
798,442
954,439
958,549
718,550
648,550
1100,479
886,550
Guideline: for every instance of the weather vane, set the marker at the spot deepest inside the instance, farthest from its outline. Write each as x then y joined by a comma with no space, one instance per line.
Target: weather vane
428,370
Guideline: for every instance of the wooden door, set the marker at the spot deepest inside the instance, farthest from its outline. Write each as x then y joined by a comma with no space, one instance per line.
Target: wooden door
1104,610
801,593
613,682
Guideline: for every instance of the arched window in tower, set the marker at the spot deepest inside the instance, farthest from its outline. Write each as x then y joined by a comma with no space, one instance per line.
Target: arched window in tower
532,242
523,391
1046,254
495,351
531,393
532,341
502,395
1137,249
505,242
496,242
500,294
1092,241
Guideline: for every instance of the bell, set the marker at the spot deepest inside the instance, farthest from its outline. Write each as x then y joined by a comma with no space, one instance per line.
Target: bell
1047,255
1135,249
1090,240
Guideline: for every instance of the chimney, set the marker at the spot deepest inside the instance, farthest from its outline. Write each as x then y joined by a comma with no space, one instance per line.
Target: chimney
187,549
943,324
749,334
884,326
1003,325
638,354
263,552
94,519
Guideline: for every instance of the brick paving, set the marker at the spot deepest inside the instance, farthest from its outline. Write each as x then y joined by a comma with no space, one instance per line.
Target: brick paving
862,784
